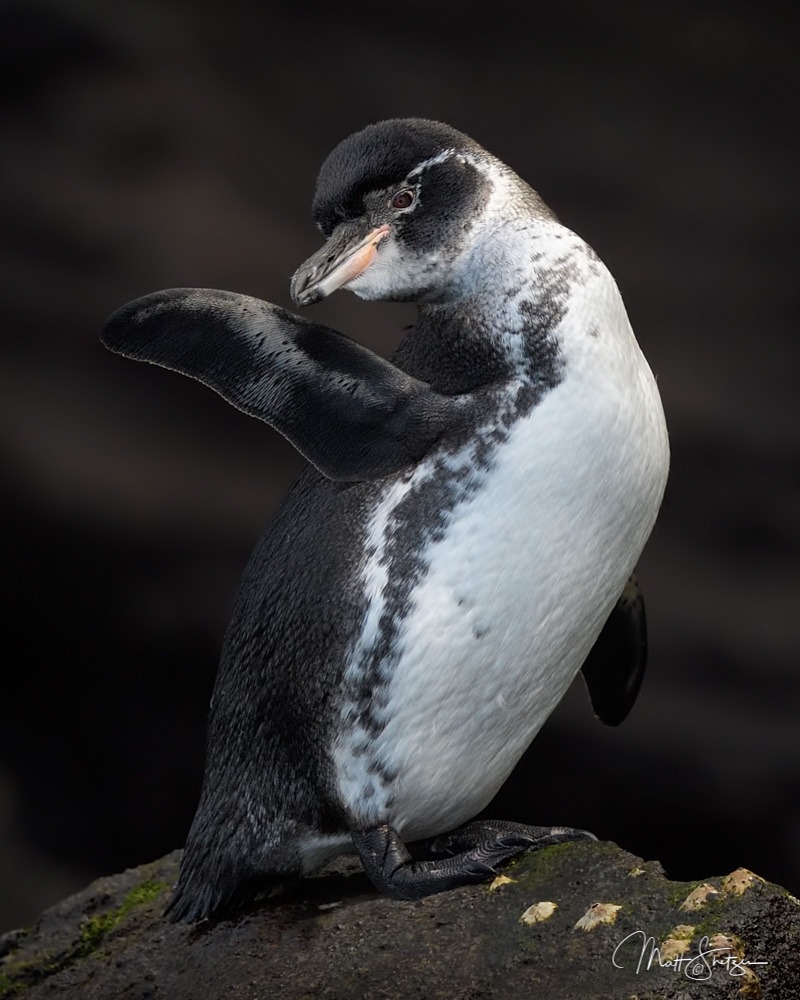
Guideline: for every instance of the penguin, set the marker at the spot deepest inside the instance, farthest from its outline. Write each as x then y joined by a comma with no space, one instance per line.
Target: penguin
461,544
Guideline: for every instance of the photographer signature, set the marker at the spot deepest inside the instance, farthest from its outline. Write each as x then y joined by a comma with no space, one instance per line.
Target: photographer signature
697,967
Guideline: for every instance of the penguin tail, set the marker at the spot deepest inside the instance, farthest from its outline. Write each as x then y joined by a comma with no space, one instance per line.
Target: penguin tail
206,891
226,865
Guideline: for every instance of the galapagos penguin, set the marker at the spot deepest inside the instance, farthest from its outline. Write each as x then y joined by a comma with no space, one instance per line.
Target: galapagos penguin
460,545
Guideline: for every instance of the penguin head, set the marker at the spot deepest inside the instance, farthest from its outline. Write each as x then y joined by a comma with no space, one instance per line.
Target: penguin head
400,203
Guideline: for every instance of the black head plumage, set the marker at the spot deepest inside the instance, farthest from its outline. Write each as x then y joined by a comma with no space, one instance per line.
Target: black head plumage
378,156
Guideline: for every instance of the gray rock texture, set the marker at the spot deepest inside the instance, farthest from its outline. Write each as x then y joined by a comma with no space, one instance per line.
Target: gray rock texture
333,937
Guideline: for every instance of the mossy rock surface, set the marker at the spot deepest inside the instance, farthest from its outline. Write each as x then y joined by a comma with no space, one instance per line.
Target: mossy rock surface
333,937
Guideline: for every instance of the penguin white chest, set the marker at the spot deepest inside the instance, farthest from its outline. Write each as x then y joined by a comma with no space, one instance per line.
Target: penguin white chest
512,596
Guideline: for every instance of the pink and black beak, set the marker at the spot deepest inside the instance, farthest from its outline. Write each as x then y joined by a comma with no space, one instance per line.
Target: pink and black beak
347,254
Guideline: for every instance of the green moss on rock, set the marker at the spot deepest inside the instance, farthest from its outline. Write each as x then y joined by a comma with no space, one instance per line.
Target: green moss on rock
17,976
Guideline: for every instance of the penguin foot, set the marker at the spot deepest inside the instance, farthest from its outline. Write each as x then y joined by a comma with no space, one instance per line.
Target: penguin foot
491,834
472,854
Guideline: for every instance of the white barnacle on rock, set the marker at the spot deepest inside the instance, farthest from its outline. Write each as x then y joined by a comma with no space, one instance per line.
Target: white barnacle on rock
727,942
598,913
698,897
676,943
739,881
499,882
538,912
730,946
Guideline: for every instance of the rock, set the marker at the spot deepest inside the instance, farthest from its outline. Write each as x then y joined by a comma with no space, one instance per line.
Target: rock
615,927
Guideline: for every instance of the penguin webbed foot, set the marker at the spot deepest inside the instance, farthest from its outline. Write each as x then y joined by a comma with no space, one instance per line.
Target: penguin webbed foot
490,835
467,856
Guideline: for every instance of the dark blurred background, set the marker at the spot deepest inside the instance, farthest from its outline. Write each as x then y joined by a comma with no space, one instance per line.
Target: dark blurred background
148,145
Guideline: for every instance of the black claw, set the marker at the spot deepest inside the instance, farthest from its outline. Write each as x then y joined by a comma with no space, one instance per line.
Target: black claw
480,869
515,840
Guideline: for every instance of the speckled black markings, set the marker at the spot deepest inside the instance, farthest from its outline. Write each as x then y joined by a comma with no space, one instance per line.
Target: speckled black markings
423,515
591,253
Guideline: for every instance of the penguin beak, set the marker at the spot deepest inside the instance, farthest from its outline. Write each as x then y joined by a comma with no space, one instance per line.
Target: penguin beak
346,255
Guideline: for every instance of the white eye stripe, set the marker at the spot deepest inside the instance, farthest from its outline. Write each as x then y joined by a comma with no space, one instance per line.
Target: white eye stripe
412,181
442,157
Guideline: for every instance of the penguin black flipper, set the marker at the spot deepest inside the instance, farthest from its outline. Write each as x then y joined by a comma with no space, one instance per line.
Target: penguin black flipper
615,667
351,413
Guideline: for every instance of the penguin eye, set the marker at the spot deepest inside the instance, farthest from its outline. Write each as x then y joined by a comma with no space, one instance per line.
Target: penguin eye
403,199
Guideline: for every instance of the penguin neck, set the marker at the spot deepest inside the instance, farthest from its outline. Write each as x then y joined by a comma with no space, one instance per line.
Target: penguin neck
504,317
